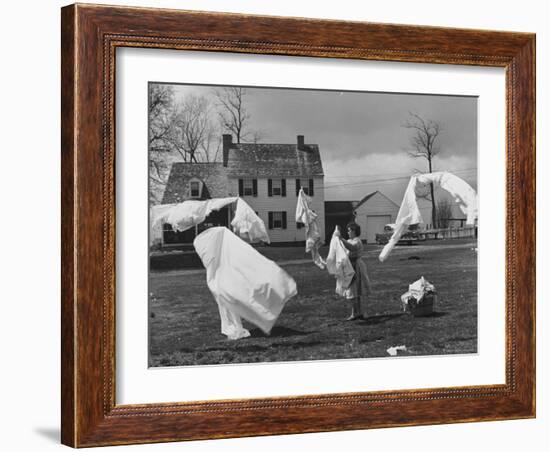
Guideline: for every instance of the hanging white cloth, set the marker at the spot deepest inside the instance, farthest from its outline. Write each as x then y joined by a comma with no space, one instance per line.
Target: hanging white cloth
409,213
248,225
464,195
338,263
158,212
244,283
188,214
313,234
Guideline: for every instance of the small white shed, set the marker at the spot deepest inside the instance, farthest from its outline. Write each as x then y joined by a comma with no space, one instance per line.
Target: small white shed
372,213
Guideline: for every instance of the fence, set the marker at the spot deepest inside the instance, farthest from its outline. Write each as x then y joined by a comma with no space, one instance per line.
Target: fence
451,233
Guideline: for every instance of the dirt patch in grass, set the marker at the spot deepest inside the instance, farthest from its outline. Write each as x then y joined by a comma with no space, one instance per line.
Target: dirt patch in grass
185,326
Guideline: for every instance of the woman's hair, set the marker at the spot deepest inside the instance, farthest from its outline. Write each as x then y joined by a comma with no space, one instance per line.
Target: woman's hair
354,227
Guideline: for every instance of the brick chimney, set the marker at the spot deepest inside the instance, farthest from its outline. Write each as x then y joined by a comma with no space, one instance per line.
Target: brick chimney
300,145
227,143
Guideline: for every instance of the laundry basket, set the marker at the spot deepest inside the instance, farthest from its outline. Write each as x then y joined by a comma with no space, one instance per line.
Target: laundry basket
419,308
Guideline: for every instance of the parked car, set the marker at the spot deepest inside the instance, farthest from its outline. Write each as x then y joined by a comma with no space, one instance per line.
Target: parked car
408,238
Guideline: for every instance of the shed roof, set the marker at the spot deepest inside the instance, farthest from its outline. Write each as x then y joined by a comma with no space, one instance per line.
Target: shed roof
370,195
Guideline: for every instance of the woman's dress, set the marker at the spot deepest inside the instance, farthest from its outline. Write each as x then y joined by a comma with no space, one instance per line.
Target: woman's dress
360,284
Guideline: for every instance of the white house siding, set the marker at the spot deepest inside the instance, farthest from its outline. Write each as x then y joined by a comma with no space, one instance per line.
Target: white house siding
378,207
263,204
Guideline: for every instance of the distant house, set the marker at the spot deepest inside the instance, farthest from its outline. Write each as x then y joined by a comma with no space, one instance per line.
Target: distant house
373,212
267,176
338,213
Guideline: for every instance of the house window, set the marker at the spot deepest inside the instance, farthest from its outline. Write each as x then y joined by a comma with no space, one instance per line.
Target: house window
276,187
306,184
195,188
277,220
248,187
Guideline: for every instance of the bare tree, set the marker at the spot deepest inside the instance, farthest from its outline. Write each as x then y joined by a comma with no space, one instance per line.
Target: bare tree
192,127
178,131
444,212
233,114
161,103
424,144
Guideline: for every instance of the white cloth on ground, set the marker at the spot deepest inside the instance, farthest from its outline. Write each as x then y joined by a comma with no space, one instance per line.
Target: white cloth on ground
409,213
248,225
338,264
313,234
244,283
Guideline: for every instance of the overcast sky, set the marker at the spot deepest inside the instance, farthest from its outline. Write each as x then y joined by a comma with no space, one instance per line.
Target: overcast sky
360,134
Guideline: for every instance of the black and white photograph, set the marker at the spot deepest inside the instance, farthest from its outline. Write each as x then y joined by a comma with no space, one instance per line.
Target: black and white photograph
293,224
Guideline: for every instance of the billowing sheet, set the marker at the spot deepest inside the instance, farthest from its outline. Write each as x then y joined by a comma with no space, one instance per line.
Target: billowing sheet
157,213
188,214
244,283
408,214
248,225
464,195
338,264
313,234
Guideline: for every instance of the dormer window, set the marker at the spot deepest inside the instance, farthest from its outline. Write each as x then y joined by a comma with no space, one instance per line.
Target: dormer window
194,189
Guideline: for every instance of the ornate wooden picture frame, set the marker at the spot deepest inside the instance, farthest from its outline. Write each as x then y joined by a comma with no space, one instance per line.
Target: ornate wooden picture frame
90,37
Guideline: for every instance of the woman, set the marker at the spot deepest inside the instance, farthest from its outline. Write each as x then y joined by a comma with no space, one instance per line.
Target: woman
360,284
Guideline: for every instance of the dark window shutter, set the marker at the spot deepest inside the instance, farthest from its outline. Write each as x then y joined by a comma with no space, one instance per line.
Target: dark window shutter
283,187
270,220
241,189
311,187
284,220
297,187
255,187
269,187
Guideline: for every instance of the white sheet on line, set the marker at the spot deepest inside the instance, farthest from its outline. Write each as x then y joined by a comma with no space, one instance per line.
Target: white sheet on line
248,225
244,283
185,215
339,265
409,213
188,214
313,234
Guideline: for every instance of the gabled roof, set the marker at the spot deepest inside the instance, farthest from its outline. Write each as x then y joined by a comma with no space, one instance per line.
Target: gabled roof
213,175
370,195
265,160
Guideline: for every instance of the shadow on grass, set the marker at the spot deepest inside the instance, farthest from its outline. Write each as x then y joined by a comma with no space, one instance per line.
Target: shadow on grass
377,319
278,331
434,315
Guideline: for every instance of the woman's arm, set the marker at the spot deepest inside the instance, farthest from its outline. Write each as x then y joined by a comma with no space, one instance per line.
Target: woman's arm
348,246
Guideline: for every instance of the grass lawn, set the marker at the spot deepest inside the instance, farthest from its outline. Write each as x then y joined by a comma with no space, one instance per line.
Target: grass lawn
185,324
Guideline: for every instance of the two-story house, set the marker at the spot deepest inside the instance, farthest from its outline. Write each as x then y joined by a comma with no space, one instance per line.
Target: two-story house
267,176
